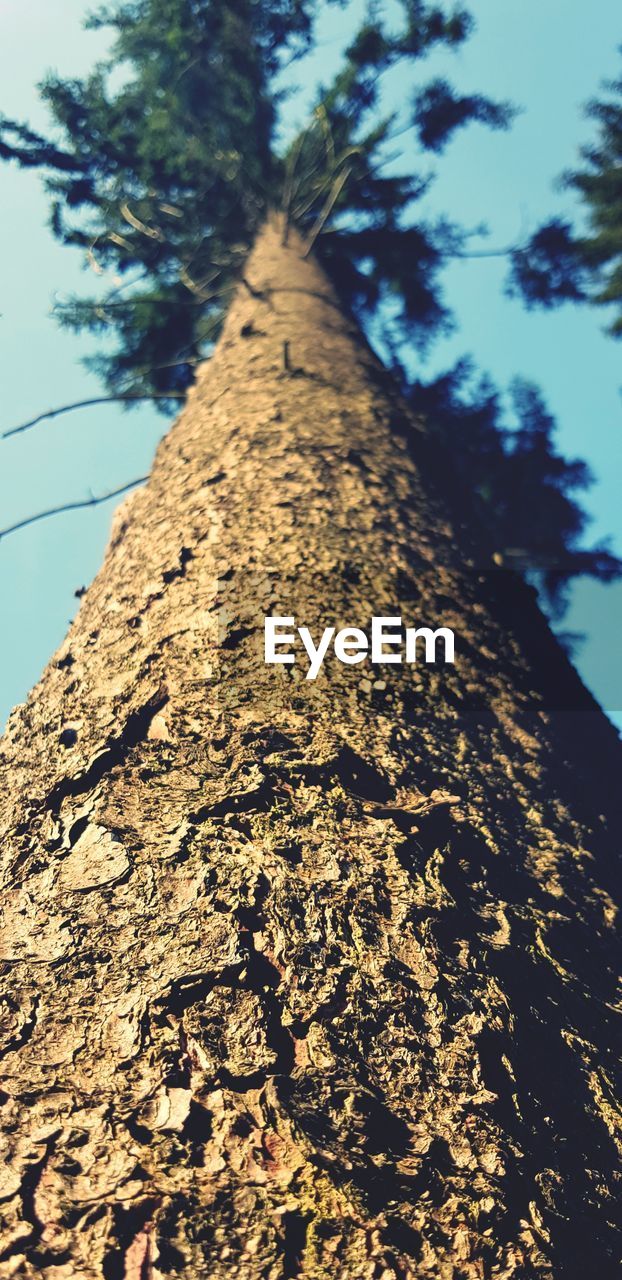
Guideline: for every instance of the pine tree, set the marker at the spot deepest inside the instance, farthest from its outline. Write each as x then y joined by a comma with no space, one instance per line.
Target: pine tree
162,181
307,977
166,179
564,263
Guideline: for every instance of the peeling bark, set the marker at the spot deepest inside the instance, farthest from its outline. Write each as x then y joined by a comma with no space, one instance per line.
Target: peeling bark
302,978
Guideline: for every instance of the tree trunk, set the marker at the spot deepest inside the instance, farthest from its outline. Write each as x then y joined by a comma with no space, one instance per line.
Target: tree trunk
306,978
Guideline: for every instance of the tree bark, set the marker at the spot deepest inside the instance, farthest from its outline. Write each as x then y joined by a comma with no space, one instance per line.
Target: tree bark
306,978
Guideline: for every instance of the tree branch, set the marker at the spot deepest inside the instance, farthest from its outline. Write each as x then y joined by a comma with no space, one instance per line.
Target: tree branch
487,253
85,404
71,506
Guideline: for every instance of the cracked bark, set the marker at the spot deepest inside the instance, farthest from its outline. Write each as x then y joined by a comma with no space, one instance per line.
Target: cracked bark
306,979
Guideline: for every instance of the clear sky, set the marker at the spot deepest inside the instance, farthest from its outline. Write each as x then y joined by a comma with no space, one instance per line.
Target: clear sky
547,57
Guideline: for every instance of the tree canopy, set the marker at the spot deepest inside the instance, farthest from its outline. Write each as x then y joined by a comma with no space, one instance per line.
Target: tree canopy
163,161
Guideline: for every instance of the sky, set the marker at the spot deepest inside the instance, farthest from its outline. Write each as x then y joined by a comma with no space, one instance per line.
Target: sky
547,57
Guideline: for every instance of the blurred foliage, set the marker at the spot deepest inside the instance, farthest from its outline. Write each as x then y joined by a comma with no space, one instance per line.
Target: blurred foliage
523,489
561,263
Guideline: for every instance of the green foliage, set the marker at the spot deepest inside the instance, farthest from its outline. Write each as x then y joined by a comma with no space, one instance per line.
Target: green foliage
163,162
524,491
560,264
169,161
550,268
439,111
600,185
375,248
167,169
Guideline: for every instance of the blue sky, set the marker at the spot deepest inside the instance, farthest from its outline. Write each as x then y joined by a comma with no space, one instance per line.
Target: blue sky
546,57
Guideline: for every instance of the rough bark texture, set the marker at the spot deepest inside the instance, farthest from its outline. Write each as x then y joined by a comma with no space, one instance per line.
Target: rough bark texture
305,979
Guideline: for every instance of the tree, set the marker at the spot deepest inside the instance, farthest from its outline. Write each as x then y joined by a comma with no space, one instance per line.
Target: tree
562,263
162,179
307,977
170,176
167,178
522,488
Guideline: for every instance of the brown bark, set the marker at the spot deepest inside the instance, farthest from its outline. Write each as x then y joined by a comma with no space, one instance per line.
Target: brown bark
305,978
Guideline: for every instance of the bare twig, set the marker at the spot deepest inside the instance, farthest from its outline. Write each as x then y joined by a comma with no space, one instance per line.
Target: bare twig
104,304
85,404
487,253
71,506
